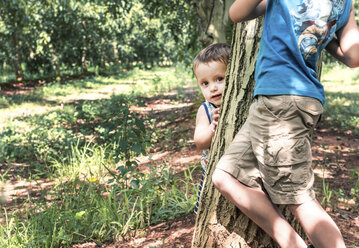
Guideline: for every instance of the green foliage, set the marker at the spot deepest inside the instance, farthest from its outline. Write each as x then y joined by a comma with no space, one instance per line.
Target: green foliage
327,193
77,210
157,196
49,38
4,103
50,135
341,108
108,122
83,143
354,192
333,197
113,123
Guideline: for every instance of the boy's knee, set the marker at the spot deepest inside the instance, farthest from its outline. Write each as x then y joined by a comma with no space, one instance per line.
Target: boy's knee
218,178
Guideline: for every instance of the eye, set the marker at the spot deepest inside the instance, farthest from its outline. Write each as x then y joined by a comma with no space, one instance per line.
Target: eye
205,83
219,79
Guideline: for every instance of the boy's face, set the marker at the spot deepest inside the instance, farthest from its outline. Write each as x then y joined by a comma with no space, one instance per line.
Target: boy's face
210,77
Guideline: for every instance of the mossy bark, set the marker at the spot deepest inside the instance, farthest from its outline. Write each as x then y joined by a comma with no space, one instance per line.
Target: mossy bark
213,20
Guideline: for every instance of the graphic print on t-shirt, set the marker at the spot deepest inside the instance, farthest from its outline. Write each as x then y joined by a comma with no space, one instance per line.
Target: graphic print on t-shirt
315,22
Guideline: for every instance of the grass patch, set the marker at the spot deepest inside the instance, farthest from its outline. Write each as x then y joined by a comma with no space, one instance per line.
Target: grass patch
85,207
37,125
84,135
341,109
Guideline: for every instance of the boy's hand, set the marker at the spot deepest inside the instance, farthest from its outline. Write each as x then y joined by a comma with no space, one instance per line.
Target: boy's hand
215,119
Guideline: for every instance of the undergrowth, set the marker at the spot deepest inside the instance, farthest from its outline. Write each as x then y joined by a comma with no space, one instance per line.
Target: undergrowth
88,148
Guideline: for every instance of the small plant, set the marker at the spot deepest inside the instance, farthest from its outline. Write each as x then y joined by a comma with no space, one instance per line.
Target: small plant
87,208
74,142
4,102
327,192
155,196
339,196
354,192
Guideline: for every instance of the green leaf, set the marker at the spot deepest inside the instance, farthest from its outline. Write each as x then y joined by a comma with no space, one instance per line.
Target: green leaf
79,215
135,184
140,125
136,148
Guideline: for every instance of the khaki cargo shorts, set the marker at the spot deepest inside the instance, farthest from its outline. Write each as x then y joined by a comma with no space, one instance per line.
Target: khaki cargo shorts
273,148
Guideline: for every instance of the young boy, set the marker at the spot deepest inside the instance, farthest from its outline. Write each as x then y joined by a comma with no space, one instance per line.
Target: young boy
209,66
273,148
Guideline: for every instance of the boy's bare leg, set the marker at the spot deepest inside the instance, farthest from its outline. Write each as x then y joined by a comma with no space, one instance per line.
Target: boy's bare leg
255,204
318,225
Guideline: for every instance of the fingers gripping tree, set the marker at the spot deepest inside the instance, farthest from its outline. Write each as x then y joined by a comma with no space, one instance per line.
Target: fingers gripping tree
219,223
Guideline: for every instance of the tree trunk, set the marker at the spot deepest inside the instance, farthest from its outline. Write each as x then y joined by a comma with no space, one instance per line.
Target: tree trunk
17,58
213,20
84,49
219,223
115,52
55,61
103,54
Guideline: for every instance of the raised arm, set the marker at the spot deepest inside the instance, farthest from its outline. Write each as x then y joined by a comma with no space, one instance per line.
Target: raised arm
345,47
244,10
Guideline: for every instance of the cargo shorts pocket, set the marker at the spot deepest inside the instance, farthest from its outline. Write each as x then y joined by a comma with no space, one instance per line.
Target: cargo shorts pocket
274,106
310,109
286,163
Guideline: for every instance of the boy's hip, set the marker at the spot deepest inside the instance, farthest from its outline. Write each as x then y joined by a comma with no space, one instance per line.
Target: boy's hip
274,146
281,128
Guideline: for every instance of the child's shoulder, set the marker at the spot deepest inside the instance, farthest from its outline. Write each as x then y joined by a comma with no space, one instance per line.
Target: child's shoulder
206,107
201,108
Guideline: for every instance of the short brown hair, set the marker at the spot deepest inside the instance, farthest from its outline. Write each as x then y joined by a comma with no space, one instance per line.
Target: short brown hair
215,52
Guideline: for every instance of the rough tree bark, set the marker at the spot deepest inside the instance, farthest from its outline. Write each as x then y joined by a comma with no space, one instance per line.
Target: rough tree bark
55,61
103,53
115,52
219,223
213,20
84,48
17,57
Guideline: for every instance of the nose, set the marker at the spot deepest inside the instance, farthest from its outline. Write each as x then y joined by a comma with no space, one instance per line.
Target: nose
214,87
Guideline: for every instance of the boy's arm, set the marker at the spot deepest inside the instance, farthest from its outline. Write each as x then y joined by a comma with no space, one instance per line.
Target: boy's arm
345,47
244,10
204,130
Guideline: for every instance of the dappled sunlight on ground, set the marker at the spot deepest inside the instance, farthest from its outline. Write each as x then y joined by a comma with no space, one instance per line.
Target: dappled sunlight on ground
177,160
335,156
92,94
159,105
24,110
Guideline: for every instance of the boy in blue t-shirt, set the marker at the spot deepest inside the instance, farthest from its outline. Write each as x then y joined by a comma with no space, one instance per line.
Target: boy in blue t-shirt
270,159
209,67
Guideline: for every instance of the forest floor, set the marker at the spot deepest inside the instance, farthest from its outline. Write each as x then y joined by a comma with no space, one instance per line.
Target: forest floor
338,151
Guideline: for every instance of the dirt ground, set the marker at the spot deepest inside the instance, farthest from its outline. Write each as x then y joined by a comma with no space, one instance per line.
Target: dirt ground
341,152
338,151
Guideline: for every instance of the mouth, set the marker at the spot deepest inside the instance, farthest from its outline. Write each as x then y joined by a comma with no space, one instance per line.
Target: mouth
216,96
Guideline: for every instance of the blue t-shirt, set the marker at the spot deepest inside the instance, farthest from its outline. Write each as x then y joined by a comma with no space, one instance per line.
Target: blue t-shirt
294,34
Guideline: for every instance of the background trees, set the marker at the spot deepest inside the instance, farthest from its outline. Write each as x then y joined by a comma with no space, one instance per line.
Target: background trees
41,37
